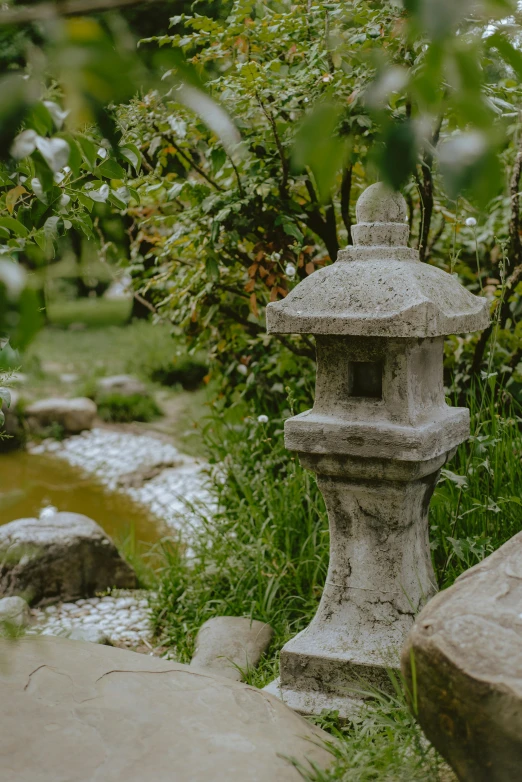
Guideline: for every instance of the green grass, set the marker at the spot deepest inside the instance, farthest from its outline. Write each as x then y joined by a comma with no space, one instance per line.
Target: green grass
265,554
118,408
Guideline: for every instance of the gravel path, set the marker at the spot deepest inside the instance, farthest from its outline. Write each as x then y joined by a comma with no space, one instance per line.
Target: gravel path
123,619
156,475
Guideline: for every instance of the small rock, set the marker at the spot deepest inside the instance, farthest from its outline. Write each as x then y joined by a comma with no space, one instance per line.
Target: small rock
67,556
14,610
231,645
93,635
74,415
124,385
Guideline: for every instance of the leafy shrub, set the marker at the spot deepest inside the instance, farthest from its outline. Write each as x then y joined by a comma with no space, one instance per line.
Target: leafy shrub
118,408
185,370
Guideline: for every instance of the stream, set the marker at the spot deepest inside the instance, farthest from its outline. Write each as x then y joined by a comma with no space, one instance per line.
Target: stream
30,483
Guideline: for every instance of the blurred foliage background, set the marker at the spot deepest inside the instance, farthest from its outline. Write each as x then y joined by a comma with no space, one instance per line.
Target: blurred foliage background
217,149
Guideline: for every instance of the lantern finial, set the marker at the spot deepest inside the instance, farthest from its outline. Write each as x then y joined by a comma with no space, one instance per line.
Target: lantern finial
381,218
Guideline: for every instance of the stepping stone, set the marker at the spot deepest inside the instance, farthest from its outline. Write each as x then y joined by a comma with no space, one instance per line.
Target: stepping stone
82,712
467,649
62,557
74,415
124,385
230,645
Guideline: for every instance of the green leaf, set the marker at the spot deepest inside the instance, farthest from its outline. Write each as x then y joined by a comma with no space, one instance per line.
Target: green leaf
318,146
83,223
132,155
212,267
88,150
110,169
14,226
292,230
5,397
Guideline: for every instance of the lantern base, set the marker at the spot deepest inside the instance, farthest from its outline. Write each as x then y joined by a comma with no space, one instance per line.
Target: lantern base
312,703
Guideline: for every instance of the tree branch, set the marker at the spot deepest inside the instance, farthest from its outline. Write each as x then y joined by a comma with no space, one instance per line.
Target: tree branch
45,11
284,163
346,191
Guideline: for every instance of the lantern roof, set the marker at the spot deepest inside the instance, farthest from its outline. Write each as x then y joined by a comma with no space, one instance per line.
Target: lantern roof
378,287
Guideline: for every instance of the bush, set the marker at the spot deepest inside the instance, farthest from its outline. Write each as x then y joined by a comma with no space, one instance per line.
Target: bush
121,409
186,371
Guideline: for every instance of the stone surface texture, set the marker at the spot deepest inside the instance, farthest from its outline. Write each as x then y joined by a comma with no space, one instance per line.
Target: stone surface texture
467,649
76,712
14,610
377,436
378,287
231,645
124,385
64,556
74,415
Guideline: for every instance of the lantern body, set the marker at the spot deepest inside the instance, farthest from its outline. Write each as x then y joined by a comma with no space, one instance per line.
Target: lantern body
377,435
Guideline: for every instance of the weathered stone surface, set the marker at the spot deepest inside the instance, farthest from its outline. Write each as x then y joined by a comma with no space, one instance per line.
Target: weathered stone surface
230,645
74,712
64,557
467,649
125,385
74,415
377,287
14,610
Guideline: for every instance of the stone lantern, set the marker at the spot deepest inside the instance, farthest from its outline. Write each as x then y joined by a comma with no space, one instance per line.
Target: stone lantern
377,436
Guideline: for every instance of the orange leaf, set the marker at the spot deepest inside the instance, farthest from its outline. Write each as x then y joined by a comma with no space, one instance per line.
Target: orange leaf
273,294
309,268
252,270
270,280
282,292
13,196
250,286
263,272
253,305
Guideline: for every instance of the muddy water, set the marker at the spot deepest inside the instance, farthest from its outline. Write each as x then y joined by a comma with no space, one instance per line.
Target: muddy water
29,483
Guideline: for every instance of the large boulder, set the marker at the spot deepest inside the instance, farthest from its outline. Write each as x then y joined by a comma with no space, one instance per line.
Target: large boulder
123,385
73,415
466,648
66,556
231,645
82,712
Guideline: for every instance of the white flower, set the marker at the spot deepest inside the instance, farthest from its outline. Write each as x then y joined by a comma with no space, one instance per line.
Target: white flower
290,270
327,77
276,256
65,199
241,368
262,419
471,222
101,152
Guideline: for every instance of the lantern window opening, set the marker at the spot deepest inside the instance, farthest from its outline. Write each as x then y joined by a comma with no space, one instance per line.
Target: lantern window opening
365,379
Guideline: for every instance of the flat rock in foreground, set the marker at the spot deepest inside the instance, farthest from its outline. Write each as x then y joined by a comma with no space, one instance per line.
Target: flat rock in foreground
76,712
467,649
64,557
